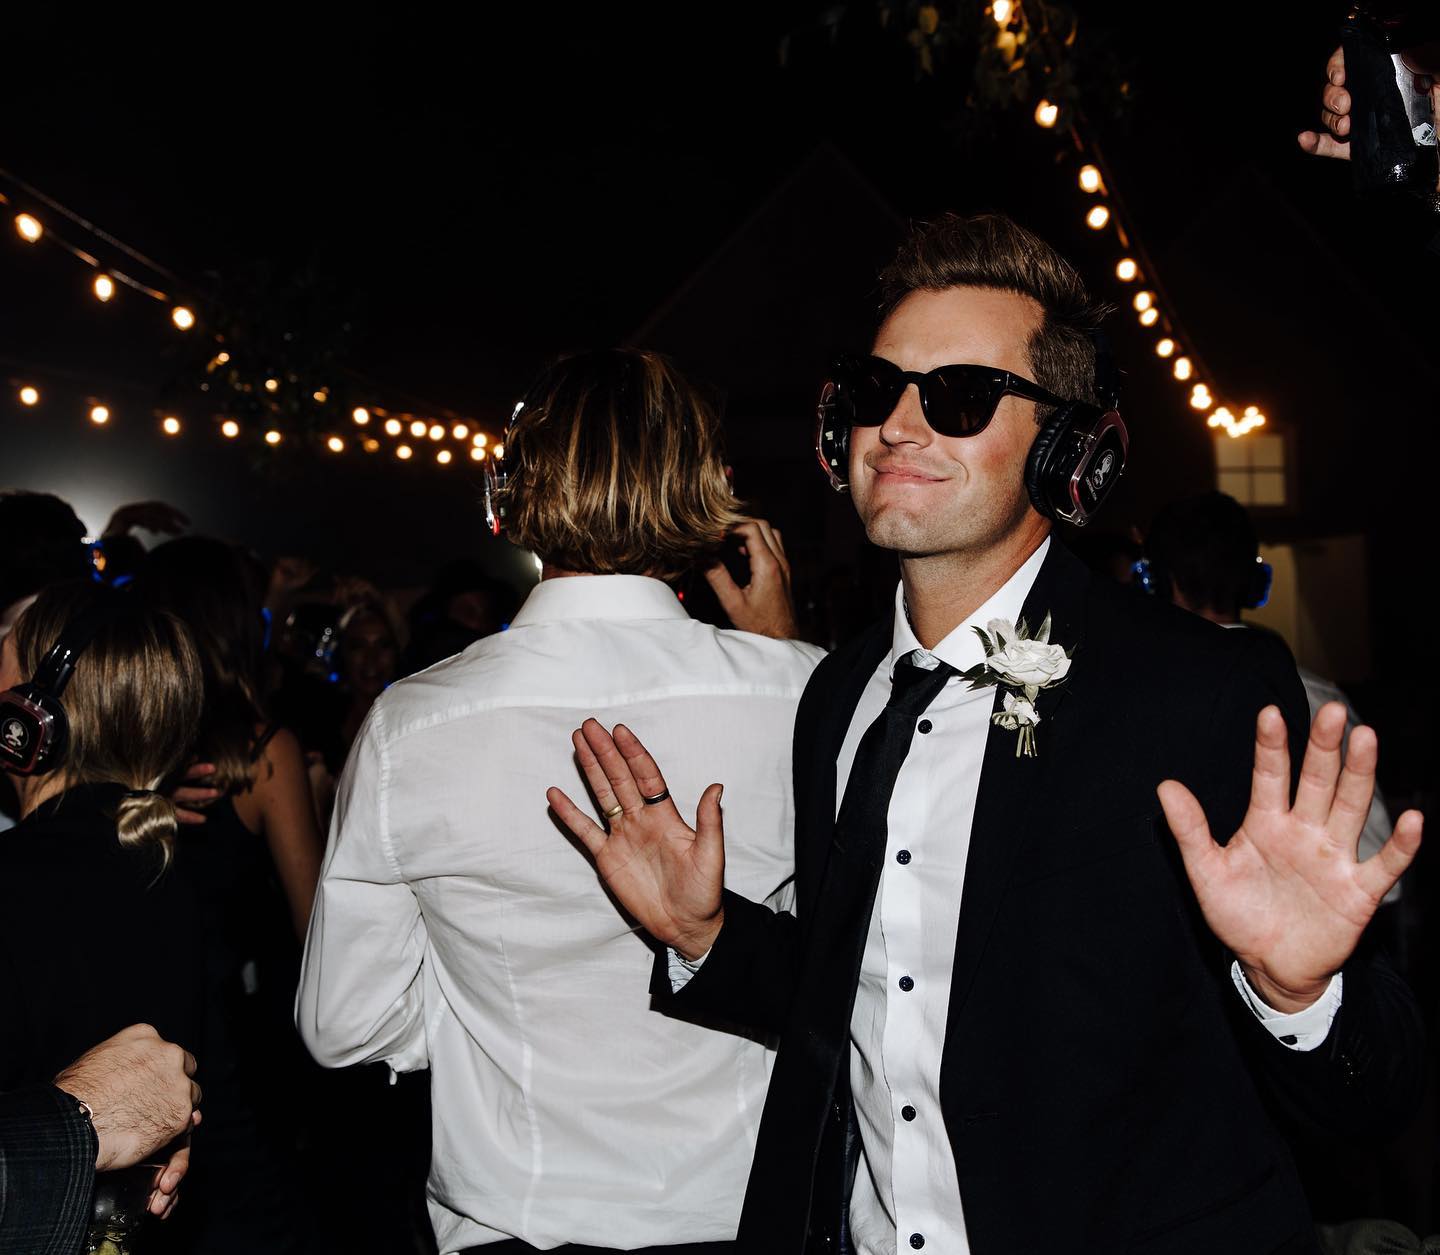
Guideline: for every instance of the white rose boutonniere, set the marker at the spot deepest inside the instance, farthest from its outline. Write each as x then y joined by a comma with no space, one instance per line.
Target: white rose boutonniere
1022,665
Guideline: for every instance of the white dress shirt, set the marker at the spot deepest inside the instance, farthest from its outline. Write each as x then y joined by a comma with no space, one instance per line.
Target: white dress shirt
457,927
906,1186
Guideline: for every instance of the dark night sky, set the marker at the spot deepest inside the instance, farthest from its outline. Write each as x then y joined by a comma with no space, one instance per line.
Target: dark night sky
479,193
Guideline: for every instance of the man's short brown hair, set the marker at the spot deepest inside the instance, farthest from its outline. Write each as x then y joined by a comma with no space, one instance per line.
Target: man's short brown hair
992,251
615,466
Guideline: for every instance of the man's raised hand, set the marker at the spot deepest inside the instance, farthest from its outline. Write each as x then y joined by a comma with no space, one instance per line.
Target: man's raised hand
1287,895
666,874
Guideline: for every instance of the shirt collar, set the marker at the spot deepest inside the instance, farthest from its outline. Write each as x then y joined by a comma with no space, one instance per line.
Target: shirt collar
961,649
575,597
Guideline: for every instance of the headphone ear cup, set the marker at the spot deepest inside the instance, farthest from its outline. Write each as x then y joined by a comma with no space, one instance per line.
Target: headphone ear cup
1042,454
832,439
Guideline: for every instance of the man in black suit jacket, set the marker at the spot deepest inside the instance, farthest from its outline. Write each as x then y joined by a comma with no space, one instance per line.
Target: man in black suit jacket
1124,1017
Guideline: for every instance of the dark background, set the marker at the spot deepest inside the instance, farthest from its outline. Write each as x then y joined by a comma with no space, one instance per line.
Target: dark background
475,194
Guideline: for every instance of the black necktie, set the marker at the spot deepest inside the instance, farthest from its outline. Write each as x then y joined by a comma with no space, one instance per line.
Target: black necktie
847,896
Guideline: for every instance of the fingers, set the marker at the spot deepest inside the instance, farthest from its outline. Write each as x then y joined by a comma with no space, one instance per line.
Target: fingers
199,771
189,1064
1186,818
1351,807
1335,67
613,764
594,773
586,830
642,767
727,592
774,552
1270,782
1323,144
1378,874
185,795
189,817
1335,109
710,828
1320,771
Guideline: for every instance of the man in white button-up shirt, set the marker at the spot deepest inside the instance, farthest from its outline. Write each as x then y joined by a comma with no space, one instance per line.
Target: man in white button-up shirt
1017,1015
453,928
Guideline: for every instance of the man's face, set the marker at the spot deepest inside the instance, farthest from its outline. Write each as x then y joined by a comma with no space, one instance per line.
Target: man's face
920,493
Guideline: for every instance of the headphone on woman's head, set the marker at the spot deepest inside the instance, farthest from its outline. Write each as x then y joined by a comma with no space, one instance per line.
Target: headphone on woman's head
34,729
1075,460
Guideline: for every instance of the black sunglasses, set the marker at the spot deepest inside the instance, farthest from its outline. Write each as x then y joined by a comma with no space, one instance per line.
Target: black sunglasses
956,400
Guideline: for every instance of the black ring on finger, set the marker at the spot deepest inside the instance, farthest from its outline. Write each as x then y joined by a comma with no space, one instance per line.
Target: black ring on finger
662,796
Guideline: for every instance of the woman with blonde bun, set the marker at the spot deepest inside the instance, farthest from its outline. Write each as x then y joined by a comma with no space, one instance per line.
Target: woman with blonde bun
96,931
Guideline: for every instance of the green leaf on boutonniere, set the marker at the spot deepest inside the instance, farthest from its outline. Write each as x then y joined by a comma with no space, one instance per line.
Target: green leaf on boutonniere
1044,635
985,641
979,676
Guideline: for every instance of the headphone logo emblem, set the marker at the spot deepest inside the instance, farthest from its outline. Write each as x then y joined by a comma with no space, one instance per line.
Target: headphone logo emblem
1102,471
14,735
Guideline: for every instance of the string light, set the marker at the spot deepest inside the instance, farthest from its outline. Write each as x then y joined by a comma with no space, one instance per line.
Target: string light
184,318
1150,317
221,358
1002,9
1143,301
1182,369
1165,347
443,457
171,425
1201,400
272,385
403,452
460,431
29,228
29,395
273,437
418,428
392,426
335,445
1097,218
1090,178
103,287
321,395
361,415
480,439
229,429
1046,114
99,415
370,444
1126,270
499,451
477,454
437,432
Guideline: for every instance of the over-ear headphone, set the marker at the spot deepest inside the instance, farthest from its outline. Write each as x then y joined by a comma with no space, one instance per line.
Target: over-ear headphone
1075,460
34,730
492,475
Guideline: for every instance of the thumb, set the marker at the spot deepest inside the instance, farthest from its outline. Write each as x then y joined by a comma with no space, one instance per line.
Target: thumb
727,591
1186,818
710,829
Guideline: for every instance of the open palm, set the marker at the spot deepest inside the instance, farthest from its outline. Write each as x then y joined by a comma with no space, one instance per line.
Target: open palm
666,874
1286,895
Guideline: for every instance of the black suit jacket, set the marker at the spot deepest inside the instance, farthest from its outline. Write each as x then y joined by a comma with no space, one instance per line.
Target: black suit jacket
47,1172
1103,1087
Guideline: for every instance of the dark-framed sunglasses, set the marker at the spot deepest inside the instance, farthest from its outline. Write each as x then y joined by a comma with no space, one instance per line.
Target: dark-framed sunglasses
957,400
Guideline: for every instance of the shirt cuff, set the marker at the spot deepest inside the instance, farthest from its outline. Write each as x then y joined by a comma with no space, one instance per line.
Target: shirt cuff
680,968
1300,1030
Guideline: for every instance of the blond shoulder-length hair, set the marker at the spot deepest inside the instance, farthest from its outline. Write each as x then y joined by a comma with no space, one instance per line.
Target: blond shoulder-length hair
132,704
615,466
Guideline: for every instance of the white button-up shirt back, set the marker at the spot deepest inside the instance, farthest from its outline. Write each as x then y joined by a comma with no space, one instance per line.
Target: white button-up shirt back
456,926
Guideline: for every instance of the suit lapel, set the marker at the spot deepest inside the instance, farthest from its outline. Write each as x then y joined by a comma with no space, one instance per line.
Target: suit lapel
1009,785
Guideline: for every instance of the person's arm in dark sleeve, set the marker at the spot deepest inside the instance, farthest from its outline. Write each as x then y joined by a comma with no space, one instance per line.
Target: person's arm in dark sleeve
47,1172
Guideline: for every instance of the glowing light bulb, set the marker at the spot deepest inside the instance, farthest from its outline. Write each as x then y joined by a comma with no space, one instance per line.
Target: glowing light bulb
335,445
221,358
437,432
171,425
392,426
273,437
1097,218
361,415
1201,400
499,451
1046,114
99,415
1165,347
460,431
272,385
29,228
417,428
1002,9
403,452
480,439
477,454
1126,269
321,395
229,429
1143,301
443,457
1150,317
103,287
370,444
29,395
1089,178
1183,369
184,318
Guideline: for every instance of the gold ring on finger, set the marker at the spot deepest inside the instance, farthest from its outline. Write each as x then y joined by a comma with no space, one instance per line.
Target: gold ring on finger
614,811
